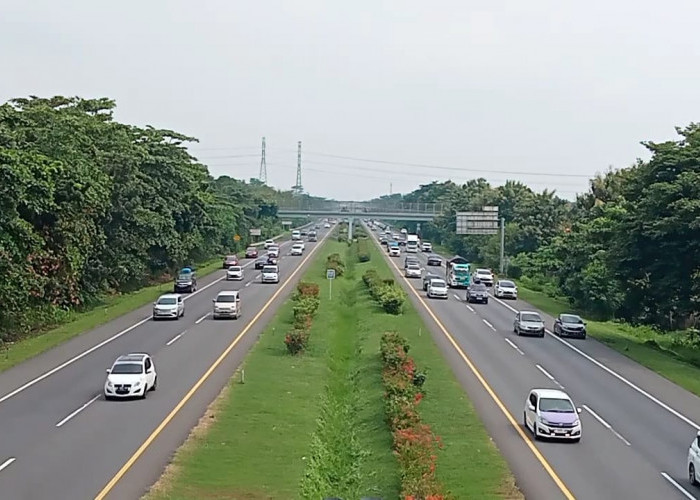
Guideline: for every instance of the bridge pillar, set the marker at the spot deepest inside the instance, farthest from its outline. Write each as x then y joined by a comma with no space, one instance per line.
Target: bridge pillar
350,223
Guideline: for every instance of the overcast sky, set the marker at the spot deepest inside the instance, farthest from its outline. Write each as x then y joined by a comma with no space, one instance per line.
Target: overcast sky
499,89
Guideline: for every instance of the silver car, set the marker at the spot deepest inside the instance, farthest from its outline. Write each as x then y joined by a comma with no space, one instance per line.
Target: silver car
528,323
234,273
413,271
169,306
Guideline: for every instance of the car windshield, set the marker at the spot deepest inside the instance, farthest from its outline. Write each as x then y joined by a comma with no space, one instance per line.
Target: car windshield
126,368
531,317
438,284
269,269
507,284
556,405
226,298
483,271
479,288
167,301
185,277
234,268
414,267
571,318
231,257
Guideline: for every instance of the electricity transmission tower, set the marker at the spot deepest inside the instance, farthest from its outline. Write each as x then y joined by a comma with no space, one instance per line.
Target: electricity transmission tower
298,189
263,165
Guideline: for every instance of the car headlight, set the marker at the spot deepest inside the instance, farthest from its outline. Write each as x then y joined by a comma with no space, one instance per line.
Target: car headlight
544,421
137,384
109,384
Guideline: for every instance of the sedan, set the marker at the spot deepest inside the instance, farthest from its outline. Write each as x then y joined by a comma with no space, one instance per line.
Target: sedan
251,253
570,325
434,260
413,271
694,461
550,413
477,293
505,289
428,278
528,323
230,260
437,288
234,273
261,262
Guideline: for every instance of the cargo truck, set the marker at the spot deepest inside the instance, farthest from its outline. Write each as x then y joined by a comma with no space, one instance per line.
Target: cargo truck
458,272
412,243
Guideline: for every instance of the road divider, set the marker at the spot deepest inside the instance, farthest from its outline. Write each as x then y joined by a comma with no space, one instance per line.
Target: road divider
675,484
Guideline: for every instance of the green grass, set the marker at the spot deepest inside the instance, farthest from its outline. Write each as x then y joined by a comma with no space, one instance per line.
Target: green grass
79,322
665,353
267,431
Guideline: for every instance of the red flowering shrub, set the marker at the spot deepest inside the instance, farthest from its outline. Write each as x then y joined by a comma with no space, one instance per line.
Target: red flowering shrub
296,341
416,449
308,289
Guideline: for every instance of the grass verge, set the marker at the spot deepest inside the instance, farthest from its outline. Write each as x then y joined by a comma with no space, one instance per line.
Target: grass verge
665,353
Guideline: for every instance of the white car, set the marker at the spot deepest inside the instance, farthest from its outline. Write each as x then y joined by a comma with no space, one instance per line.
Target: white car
427,247
437,288
227,305
414,271
273,251
269,243
169,306
327,225
485,276
550,413
296,249
270,274
505,289
394,252
131,375
234,273
694,461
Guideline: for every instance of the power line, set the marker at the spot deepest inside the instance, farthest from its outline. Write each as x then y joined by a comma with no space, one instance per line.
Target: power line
227,156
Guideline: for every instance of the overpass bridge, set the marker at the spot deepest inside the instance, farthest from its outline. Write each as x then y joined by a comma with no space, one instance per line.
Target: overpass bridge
416,212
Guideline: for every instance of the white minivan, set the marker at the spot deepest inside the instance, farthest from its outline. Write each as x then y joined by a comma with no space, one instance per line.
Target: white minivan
227,305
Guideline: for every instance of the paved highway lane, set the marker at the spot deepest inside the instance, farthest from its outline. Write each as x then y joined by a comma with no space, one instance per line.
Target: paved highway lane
68,442
631,447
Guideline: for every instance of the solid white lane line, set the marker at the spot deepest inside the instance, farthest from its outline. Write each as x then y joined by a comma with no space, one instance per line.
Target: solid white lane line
78,411
489,325
97,346
617,376
6,463
175,338
471,308
515,347
248,284
201,319
678,486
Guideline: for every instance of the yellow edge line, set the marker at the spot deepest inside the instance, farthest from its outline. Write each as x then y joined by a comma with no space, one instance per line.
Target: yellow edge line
557,480
129,463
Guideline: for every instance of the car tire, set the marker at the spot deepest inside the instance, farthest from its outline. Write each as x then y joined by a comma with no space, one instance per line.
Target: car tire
486,301
541,334
576,440
517,330
145,392
525,421
691,475
155,383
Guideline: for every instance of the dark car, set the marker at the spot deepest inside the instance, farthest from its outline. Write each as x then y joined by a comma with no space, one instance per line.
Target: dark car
570,325
251,253
383,241
230,260
434,260
271,260
428,277
261,262
477,292
185,282
410,259
302,233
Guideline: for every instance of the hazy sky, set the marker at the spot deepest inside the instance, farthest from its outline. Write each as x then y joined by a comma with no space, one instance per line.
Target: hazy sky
499,89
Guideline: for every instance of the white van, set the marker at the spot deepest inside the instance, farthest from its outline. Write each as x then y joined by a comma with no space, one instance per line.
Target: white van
227,305
296,235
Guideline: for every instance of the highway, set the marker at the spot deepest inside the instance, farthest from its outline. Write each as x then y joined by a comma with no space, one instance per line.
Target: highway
61,440
637,426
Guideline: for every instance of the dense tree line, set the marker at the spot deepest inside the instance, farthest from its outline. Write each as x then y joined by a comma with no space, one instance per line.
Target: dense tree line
90,206
627,249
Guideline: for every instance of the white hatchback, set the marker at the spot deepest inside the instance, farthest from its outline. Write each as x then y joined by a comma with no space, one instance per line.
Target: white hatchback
550,413
270,274
297,249
694,461
227,305
131,375
437,288
234,273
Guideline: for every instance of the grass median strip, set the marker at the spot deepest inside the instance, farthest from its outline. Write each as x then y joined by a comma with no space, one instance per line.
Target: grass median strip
313,425
668,354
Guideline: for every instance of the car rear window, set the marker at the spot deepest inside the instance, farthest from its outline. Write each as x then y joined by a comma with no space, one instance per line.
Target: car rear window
226,298
507,284
531,317
437,283
269,269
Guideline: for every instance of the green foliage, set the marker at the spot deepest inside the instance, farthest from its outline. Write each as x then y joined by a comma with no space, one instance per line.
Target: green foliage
386,292
334,261
296,341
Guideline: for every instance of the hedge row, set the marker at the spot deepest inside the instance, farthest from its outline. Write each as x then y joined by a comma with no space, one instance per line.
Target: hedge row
306,304
389,296
360,250
415,444
334,261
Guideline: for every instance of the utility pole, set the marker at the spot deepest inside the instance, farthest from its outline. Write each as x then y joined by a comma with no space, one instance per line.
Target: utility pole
263,165
503,243
391,189
298,188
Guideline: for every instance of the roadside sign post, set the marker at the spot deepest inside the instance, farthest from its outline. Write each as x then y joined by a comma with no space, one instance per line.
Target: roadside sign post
330,276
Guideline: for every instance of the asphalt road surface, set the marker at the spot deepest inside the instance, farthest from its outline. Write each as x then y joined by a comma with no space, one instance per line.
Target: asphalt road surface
59,438
637,426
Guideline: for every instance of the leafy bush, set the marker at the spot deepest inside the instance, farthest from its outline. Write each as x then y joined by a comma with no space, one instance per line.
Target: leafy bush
296,341
308,289
389,296
334,261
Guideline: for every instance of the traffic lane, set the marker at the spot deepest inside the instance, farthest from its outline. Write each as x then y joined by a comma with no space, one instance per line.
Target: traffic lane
511,376
31,414
657,435
43,365
178,366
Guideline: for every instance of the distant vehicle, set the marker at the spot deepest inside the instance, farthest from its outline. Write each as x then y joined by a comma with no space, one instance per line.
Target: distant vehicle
394,251
485,276
234,273
383,241
551,413
426,247
391,245
410,259
227,305
404,231
261,262
505,289
458,272
185,282
270,274
302,233
230,260
694,461
570,325
412,243
296,250
273,251
427,278
269,243
169,306
131,375
296,235
528,323
251,253
413,271
437,288
434,260
477,292
327,225
312,236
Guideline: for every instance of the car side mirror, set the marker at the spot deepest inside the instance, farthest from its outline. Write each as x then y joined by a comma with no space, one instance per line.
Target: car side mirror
584,323
108,370
578,410
149,370
154,303
531,407
213,300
